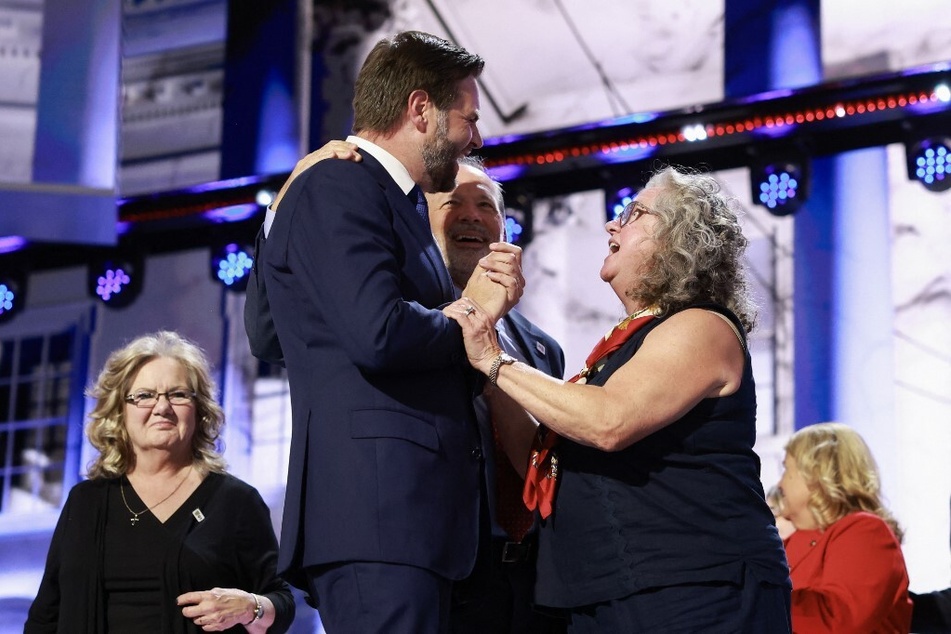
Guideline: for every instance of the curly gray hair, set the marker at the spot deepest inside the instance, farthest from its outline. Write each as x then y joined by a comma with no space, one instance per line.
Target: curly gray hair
700,247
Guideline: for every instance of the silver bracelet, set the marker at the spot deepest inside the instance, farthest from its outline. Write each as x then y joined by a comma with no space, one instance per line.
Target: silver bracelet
258,610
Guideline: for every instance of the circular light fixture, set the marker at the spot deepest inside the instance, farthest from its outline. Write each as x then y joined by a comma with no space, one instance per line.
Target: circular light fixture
619,200
231,265
779,186
930,163
115,280
12,296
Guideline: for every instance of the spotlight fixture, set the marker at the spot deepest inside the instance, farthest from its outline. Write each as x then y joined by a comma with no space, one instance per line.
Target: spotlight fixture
513,230
618,200
929,162
265,197
231,264
115,280
12,295
519,216
781,186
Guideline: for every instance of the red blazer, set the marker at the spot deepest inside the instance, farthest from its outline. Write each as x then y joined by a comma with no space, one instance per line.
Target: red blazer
849,578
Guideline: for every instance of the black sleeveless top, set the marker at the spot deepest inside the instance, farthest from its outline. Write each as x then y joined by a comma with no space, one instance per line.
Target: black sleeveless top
684,505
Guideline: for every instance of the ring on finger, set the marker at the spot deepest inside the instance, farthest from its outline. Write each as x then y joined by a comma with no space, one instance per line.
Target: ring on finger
469,310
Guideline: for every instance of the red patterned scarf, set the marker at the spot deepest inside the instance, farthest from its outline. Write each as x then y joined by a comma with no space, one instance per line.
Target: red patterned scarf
541,479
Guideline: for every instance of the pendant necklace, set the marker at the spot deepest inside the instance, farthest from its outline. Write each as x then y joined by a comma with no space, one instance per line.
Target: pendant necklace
135,516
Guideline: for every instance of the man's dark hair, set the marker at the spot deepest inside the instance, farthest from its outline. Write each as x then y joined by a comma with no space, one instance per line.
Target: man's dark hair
397,66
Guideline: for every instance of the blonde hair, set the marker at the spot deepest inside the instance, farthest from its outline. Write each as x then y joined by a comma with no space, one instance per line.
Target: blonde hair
840,472
106,429
700,247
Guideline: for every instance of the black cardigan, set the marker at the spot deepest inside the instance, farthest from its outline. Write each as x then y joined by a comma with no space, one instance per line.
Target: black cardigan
235,540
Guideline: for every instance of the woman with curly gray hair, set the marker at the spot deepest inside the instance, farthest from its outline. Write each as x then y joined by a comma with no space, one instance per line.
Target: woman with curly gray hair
642,469
160,538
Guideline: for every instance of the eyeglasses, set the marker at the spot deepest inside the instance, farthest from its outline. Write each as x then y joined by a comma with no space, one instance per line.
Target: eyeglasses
147,399
631,213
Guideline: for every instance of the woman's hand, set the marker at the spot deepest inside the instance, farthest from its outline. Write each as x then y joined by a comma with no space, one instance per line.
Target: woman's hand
218,609
331,149
497,283
478,331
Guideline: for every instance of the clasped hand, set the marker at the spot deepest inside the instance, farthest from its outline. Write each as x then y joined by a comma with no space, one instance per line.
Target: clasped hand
496,283
478,332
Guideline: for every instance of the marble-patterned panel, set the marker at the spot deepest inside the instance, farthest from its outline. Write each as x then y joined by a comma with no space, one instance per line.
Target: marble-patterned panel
921,287
893,36
564,293
554,64
20,44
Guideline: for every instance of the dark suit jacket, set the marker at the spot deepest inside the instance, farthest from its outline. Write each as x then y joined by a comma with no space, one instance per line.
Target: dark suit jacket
385,458
541,352
931,611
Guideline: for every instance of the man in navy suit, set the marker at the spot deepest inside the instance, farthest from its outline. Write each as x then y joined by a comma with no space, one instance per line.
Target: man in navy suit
382,501
498,595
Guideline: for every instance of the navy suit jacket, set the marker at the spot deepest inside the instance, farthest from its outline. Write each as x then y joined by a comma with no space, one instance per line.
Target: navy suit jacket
385,457
542,352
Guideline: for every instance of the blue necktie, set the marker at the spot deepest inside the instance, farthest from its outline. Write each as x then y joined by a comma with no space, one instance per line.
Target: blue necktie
419,198
416,195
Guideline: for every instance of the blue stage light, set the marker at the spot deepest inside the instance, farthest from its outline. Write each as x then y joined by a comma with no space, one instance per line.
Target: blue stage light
12,297
513,230
929,162
115,280
231,264
781,187
619,200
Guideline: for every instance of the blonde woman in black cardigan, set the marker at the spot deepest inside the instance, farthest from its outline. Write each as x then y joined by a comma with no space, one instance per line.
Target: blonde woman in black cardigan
160,538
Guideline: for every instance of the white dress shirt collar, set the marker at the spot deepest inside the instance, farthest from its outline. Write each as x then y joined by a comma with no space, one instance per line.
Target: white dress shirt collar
390,163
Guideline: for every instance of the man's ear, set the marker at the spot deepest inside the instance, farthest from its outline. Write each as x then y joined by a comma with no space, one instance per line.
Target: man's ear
420,108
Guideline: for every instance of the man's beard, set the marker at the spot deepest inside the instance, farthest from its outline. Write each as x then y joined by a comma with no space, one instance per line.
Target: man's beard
440,156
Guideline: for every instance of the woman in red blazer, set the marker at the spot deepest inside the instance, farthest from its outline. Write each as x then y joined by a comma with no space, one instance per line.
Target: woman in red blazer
845,558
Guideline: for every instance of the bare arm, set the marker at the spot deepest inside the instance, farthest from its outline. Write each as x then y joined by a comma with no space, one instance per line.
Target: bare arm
692,356
516,426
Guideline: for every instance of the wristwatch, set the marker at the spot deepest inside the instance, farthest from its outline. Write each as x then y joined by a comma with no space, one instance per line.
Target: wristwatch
502,359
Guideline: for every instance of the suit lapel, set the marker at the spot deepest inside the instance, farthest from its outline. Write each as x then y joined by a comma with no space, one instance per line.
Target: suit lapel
521,331
422,232
405,212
